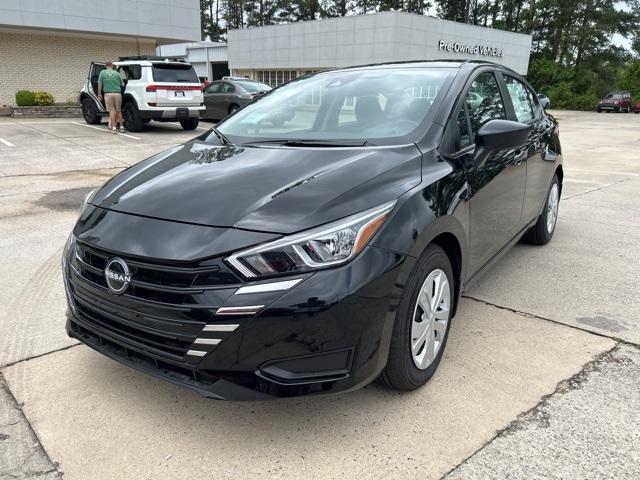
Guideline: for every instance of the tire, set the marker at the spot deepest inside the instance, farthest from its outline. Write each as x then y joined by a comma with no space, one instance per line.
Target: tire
402,371
190,124
542,232
90,112
132,120
599,111
233,108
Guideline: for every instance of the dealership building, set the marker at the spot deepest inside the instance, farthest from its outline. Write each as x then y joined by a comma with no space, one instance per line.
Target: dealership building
278,53
49,44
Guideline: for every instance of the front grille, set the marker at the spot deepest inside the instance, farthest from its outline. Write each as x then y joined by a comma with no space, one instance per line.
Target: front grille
163,310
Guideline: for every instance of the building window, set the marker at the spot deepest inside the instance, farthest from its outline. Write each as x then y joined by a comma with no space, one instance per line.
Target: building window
277,77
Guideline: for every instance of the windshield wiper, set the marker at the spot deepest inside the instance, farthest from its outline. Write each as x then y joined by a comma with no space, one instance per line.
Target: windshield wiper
223,139
310,142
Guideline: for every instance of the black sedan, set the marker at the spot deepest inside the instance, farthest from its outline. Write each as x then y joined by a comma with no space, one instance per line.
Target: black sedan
223,97
321,250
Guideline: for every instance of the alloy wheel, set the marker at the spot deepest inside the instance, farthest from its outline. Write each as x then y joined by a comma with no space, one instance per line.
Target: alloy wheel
552,207
430,319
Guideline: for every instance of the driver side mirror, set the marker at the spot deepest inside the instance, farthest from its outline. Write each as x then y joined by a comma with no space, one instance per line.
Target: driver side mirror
502,135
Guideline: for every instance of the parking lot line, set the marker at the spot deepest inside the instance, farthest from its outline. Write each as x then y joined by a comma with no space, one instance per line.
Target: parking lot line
105,130
8,144
601,171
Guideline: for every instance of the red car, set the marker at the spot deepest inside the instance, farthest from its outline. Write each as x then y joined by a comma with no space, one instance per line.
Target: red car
615,102
636,108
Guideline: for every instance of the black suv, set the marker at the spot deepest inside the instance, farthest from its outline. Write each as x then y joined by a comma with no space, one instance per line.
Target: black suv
267,259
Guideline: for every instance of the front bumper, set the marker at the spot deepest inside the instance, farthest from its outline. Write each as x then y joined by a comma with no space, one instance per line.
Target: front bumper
329,333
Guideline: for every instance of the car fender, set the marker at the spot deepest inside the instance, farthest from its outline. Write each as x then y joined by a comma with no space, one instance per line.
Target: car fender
133,96
432,210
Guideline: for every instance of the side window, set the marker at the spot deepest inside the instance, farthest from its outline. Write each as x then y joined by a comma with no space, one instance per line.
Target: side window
96,72
520,98
464,135
213,88
484,101
134,72
228,88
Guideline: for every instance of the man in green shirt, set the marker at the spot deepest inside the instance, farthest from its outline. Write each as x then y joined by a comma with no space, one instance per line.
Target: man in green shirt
110,84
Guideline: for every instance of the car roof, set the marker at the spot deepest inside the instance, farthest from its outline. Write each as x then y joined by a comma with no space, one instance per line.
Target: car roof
147,63
467,65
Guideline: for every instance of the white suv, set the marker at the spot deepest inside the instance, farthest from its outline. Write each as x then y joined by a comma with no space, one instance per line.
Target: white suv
155,89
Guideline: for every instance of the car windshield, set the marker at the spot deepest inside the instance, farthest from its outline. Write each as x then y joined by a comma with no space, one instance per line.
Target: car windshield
614,95
254,87
172,72
344,105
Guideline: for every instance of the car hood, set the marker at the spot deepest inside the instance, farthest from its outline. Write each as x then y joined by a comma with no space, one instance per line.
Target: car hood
261,188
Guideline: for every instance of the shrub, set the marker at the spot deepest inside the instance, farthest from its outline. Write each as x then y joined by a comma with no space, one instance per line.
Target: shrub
43,98
25,98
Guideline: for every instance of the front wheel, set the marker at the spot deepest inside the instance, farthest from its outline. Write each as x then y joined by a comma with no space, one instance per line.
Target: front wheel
422,323
542,231
190,124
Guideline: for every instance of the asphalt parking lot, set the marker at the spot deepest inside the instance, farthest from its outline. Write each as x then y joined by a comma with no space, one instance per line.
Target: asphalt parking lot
540,379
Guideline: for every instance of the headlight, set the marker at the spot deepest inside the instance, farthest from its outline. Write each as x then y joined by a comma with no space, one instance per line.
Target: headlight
87,199
326,246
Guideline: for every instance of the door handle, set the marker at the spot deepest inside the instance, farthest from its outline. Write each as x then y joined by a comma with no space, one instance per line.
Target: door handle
520,156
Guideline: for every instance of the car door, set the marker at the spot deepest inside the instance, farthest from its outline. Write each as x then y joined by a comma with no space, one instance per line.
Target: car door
228,97
94,74
538,162
212,99
497,181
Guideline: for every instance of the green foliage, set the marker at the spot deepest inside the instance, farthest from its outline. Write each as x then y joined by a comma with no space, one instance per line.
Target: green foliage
573,59
25,98
43,98
630,78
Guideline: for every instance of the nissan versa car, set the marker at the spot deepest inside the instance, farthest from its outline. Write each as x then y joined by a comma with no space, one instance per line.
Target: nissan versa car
267,259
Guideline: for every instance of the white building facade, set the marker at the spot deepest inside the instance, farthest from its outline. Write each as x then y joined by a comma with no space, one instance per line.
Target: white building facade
49,44
278,53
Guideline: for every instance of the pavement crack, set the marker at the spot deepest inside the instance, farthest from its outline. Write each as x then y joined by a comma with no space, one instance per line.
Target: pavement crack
602,187
38,445
538,414
33,357
557,322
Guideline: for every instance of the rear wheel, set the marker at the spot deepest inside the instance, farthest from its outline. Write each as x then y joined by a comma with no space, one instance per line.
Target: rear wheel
422,323
233,108
190,124
542,231
90,112
132,120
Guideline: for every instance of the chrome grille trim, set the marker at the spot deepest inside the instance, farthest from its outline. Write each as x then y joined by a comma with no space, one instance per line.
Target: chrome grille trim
248,310
220,328
207,341
196,353
268,287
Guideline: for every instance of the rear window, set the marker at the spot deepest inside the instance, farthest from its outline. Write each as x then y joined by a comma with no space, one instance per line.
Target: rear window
174,73
254,87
